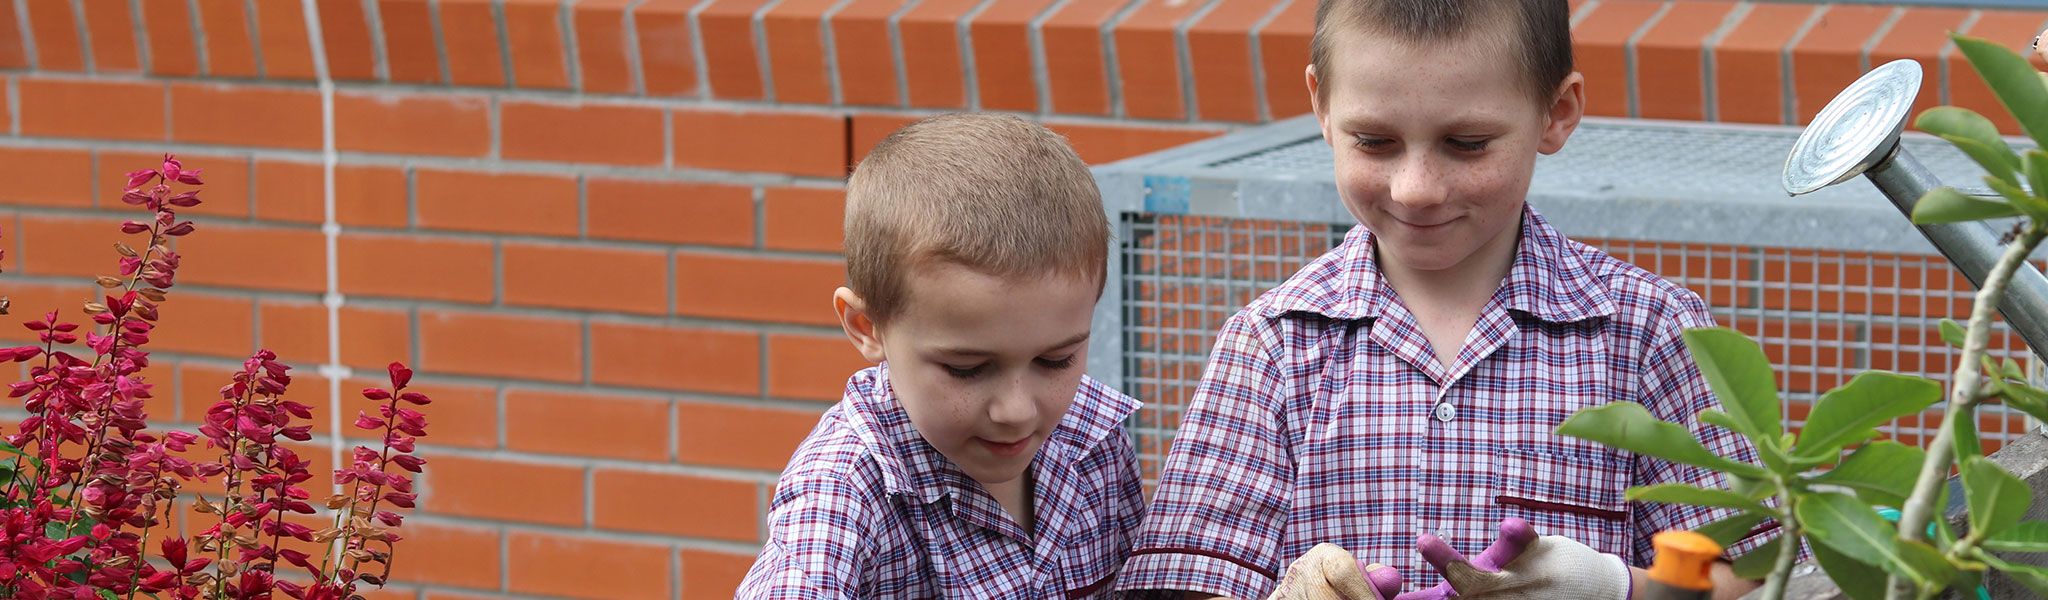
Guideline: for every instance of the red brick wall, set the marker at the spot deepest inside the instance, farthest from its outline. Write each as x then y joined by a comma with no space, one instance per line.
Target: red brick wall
604,230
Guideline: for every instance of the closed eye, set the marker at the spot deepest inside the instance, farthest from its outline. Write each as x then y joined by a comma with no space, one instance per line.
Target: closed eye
1463,145
1371,143
969,372
1057,364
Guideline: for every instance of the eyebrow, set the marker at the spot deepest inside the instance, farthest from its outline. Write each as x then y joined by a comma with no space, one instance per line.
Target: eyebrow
1367,123
969,352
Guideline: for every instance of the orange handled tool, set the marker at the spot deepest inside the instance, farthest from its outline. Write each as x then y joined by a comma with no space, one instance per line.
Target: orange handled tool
1680,571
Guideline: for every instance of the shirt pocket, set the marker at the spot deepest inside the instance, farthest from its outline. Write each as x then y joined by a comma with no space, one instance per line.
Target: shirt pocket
1570,492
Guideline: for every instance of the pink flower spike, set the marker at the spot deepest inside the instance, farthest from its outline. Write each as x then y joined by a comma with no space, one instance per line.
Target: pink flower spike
415,397
190,177
365,421
376,394
400,376
141,178
132,227
180,229
184,200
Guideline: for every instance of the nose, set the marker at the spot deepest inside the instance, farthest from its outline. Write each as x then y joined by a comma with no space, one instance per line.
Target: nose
1014,405
1417,181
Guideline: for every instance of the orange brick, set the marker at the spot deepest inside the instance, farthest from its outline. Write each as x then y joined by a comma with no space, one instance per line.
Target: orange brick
1670,79
621,427
345,31
862,45
1283,54
776,142
471,35
409,51
172,47
281,33
55,30
13,53
601,49
230,47
411,123
743,437
933,71
208,324
643,502
1919,35
1002,54
474,201
448,554
668,64
370,337
254,257
408,266
577,567
533,28
1074,58
796,51
799,218
1101,144
466,343
674,212
225,194
1220,53
709,575
1831,55
757,289
675,358
1966,87
581,132
62,178
246,115
1599,43
1148,60
112,29
727,31
1749,74
586,278
503,490
91,109
75,246
869,128
364,196
289,191
811,367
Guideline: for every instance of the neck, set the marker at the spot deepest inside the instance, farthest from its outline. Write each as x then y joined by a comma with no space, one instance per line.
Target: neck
1016,498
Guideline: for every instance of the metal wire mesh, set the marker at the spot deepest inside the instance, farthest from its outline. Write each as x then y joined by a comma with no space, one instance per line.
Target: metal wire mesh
1821,316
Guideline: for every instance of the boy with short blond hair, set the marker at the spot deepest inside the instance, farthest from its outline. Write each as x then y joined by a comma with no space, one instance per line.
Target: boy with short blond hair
1397,396
976,460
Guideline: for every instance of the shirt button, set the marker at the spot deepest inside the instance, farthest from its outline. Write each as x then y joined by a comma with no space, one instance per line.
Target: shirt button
1445,412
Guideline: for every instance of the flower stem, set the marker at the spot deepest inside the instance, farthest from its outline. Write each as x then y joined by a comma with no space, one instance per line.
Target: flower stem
1788,536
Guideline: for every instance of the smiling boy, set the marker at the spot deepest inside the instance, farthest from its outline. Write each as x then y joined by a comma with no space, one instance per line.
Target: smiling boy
976,460
1396,396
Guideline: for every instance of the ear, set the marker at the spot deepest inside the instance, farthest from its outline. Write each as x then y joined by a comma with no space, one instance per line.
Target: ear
1315,103
1567,106
861,330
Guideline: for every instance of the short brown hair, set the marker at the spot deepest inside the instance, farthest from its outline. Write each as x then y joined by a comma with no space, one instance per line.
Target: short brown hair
1542,40
994,193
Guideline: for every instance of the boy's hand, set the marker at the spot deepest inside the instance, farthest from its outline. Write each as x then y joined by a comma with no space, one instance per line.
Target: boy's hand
1519,565
1328,572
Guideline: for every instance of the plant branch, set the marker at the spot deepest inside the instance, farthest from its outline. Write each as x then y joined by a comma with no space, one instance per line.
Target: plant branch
1788,535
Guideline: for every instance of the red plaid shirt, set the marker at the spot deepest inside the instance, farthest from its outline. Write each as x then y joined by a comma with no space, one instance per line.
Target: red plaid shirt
868,509
1317,420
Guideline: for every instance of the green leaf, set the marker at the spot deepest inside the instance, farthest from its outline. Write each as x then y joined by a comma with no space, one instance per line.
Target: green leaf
1859,580
2015,82
1629,426
6,448
1975,135
2035,578
1679,493
1772,453
2037,172
1758,563
1953,332
1741,378
1997,498
1883,467
1946,205
2025,536
1847,414
1847,525
1732,529
2027,399
1924,563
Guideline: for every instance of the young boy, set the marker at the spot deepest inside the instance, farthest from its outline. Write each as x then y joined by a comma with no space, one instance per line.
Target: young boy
976,461
1405,385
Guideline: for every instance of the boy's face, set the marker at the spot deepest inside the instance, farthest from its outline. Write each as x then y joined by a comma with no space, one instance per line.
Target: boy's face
1434,143
985,366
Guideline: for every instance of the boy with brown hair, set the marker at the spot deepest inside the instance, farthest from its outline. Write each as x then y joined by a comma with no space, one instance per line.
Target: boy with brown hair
976,460
1396,397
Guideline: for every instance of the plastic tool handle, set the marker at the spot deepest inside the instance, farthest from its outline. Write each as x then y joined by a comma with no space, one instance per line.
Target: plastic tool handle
1683,558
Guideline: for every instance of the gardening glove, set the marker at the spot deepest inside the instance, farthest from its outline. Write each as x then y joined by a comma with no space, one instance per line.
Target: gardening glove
1328,572
1521,566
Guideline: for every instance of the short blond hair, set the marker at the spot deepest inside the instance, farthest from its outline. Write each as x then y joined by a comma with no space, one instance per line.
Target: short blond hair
994,193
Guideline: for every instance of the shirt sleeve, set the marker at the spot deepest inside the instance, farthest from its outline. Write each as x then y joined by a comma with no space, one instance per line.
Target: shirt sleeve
1674,390
1221,508
818,541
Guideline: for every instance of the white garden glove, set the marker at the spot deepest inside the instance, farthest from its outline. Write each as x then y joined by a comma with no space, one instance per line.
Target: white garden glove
1328,572
1521,566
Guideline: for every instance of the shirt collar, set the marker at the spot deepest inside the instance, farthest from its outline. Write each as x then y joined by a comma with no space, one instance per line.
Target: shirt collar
1549,280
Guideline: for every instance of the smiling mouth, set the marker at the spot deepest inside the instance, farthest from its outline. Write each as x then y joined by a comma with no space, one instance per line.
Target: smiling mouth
1005,448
